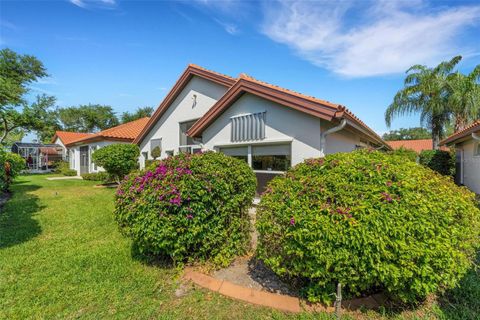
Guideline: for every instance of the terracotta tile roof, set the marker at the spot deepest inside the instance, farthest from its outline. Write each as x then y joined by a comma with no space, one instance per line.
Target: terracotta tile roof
67,137
124,132
415,145
295,93
467,131
196,66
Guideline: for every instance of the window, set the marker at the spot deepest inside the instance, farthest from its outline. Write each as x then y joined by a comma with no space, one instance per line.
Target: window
271,158
236,152
184,139
169,153
248,127
476,151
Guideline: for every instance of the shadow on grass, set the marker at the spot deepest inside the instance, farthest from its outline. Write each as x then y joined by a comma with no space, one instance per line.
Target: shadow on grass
16,222
463,302
150,259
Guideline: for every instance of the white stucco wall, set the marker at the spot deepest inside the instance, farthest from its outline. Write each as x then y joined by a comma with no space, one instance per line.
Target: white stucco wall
182,109
471,165
75,165
282,124
60,143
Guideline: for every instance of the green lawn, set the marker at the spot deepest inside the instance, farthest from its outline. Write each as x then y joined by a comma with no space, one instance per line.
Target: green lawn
61,256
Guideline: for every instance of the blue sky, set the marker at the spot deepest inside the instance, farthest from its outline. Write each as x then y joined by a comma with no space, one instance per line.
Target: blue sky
128,54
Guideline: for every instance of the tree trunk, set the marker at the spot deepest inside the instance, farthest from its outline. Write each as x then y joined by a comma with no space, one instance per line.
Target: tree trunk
435,140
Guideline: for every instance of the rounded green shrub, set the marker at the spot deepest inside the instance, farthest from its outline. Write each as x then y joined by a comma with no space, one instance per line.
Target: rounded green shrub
370,221
439,160
69,172
189,207
117,159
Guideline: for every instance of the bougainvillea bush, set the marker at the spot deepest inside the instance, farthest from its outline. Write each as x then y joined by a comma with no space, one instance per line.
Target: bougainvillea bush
370,221
193,208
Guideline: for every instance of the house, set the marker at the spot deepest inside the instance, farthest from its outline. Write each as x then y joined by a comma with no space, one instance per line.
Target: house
62,138
415,145
466,143
269,127
80,150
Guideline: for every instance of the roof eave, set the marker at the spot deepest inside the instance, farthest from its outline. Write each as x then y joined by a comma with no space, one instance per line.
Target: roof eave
189,72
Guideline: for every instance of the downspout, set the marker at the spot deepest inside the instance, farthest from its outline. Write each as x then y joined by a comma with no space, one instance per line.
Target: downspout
475,136
323,136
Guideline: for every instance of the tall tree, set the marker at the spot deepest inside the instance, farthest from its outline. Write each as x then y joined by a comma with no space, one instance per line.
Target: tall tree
38,116
87,118
137,114
407,134
16,115
425,92
464,97
16,73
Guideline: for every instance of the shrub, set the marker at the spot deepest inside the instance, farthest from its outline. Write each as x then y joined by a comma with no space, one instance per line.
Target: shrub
441,161
69,172
189,207
149,163
408,154
11,164
97,176
156,152
117,159
61,166
370,221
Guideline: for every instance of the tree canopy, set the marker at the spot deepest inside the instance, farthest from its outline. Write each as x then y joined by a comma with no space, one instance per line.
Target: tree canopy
141,112
407,134
87,118
16,115
440,95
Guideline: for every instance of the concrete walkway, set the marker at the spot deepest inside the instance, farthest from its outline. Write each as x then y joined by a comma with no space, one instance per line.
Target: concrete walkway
65,178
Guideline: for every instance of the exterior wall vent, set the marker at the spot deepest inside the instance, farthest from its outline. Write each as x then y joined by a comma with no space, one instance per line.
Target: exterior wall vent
248,127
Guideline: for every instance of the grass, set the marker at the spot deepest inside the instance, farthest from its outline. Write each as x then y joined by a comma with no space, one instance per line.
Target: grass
61,256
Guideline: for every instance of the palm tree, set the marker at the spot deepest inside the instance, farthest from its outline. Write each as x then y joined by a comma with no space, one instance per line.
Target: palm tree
464,97
425,92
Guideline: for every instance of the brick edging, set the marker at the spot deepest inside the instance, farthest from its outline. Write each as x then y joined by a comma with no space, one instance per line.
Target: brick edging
262,298
274,300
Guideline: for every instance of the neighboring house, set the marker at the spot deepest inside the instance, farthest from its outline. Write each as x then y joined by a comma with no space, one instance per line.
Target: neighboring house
466,143
80,150
415,145
62,138
269,127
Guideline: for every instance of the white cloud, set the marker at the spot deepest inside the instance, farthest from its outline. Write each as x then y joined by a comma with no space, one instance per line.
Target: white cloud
228,27
358,39
78,3
85,3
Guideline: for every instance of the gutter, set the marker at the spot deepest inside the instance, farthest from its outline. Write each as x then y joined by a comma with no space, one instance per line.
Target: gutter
323,136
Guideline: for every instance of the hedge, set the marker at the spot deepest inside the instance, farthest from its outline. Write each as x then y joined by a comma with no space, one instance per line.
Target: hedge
97,176
370,221
191,208
441,161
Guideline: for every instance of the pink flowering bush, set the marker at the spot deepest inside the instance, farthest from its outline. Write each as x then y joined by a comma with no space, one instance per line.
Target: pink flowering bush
189,207
370,221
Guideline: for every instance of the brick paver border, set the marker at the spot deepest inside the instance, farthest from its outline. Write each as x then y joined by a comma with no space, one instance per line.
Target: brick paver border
274,300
